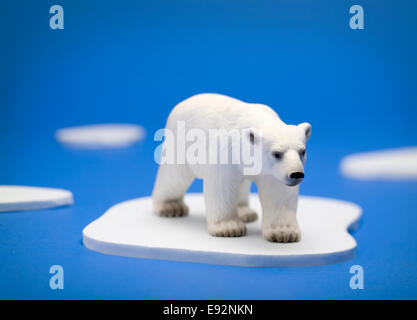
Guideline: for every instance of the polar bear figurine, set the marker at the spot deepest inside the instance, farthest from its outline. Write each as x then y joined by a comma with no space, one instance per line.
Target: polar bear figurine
225,185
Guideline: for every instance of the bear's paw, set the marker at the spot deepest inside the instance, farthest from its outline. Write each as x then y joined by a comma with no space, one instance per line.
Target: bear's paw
282,233
246,213
171,208
228,228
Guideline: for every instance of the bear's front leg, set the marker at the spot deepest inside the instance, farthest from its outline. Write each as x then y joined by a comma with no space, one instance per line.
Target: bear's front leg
279,208
221,200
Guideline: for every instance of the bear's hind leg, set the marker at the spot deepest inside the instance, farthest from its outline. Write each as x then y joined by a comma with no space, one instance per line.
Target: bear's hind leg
246,213
221,208
168,193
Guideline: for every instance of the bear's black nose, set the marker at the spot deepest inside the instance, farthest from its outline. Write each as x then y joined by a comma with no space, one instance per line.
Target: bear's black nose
297,175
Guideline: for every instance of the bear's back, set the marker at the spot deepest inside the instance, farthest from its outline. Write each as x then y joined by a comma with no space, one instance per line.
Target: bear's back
217,111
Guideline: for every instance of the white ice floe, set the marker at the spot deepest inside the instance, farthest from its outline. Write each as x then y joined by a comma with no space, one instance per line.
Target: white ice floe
100,135
390,164
131,229
17,198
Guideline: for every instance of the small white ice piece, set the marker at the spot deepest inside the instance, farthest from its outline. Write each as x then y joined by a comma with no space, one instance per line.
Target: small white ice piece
17,198
100,135
390,164
132,229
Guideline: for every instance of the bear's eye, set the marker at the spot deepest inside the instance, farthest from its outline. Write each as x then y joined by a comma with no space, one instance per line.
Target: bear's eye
277,155
302,153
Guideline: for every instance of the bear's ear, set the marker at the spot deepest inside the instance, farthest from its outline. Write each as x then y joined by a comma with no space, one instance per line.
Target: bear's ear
253,136
307,129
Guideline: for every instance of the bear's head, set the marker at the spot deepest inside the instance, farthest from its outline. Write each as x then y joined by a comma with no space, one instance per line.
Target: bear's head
283,151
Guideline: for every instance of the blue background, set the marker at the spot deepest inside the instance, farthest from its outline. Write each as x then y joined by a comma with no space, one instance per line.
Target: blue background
132,61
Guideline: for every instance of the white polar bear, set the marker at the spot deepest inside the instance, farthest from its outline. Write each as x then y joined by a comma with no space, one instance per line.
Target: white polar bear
226,187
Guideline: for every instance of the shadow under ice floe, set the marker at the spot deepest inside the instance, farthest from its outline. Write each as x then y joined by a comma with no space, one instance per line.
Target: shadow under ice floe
17,198
100,136
131,229
390,164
